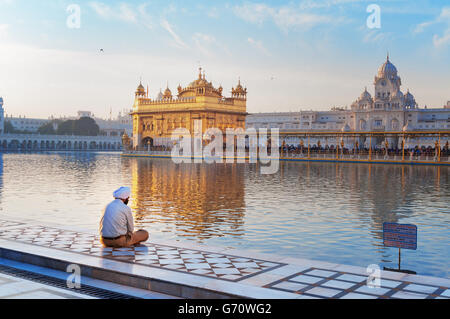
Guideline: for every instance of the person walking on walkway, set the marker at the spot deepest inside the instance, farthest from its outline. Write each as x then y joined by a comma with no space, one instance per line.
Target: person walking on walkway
116,224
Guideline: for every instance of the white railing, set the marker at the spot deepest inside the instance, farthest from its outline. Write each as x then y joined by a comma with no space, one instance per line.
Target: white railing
328,156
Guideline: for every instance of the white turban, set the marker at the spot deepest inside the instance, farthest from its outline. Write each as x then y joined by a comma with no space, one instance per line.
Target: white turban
122,193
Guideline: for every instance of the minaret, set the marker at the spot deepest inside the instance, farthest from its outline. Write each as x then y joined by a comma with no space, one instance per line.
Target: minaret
140,91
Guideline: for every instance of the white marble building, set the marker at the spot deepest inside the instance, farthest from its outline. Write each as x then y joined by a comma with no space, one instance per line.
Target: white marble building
109,127
23,123
388,110
2,116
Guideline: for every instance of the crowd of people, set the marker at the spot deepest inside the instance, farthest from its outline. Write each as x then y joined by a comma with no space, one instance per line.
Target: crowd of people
290,149
416,151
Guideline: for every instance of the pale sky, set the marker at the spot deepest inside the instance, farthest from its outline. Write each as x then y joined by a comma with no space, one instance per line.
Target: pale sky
291,55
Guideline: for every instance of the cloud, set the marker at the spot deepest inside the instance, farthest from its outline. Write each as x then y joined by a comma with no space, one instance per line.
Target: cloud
123,12
440,41
126,13
102,9
422,26
213,13
202,41
442,19
146,19
376,36
178,42
207,44
317,4
285,17
258,45
6,2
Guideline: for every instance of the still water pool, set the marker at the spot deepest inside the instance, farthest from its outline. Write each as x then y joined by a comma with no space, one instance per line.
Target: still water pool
324,211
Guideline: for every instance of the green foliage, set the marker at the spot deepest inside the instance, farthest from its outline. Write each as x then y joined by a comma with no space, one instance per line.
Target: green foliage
9,128
48,129
84,126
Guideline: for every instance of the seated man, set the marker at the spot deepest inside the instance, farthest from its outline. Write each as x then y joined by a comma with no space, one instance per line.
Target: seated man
117,226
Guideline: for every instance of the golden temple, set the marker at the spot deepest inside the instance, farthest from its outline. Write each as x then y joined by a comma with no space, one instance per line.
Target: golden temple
154,120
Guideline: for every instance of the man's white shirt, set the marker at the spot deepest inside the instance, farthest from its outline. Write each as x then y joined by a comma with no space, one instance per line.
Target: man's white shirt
117,220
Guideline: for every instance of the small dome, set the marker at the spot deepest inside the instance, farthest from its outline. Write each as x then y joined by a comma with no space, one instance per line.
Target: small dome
410,101
140,89
167,93
239,90
409,96
397,95
387,69
365,95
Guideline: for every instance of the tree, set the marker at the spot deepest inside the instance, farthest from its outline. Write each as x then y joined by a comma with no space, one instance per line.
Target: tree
65,128
84,126
49,128
9,128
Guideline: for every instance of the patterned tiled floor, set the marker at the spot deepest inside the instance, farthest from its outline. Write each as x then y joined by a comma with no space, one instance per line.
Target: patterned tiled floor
340,285
5,224
225,267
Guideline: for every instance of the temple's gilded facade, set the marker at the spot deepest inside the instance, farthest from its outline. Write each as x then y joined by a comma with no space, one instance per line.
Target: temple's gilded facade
154,120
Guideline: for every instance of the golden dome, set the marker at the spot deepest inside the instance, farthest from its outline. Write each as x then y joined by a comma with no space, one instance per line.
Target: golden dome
167,93
140,90
200,87
239,91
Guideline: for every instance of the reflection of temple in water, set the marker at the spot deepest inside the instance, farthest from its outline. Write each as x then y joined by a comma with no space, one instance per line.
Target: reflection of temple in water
384,191
1,176
199,201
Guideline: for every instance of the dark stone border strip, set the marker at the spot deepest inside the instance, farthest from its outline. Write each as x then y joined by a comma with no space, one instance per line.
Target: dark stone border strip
352,289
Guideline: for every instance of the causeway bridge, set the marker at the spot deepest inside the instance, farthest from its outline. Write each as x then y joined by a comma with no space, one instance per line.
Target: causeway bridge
37,142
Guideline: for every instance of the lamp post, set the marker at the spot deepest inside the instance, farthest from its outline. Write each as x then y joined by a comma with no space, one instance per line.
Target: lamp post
386,146
403,147
309,145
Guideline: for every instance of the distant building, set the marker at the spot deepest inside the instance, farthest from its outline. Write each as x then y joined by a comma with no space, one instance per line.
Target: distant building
389,110
2,116
85,114
116,127
108,127
30,125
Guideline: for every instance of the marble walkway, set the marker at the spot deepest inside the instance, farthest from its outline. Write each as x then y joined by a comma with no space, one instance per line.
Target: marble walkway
231,272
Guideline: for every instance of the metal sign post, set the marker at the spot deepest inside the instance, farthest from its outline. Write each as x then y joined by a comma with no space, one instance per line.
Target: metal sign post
400,236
